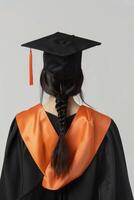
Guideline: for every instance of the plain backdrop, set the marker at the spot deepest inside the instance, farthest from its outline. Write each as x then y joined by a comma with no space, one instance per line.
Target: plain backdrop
108,69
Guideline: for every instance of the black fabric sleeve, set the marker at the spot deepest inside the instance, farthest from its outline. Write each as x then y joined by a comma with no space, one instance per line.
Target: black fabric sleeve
11,174
114,181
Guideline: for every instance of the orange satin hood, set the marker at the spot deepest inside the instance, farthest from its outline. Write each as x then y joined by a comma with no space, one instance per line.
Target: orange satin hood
84,137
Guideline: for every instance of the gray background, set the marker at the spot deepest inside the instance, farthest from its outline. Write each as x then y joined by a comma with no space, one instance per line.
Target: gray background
108,69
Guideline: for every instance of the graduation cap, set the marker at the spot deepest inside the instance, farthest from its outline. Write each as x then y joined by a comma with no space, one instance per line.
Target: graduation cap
61,54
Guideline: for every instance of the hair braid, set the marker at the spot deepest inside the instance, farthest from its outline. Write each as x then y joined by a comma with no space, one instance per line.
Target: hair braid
60,157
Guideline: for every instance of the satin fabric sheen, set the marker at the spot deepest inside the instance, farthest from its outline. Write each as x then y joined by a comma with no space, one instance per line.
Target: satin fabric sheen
87,129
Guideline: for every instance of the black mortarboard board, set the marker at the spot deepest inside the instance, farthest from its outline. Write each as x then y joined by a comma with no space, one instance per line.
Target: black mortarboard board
62,53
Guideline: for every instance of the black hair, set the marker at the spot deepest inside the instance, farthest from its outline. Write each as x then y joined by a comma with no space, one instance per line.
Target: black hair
61,89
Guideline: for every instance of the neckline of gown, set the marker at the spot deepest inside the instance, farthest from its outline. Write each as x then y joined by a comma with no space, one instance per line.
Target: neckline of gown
55,116
55,121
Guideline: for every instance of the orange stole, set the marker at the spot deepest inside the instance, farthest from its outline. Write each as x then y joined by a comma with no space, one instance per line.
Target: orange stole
84,137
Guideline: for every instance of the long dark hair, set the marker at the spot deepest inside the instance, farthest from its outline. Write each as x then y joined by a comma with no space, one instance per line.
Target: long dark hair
61,89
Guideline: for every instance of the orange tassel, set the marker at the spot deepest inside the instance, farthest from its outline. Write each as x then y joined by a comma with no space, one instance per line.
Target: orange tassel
30,68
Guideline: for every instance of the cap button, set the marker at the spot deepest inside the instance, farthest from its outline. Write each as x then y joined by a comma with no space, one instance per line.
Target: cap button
61,41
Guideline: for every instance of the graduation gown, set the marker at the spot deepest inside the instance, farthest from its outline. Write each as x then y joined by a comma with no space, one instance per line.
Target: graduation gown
98,165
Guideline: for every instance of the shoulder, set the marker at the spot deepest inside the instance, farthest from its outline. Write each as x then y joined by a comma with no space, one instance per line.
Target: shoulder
98,115
100,119
105,122
28,111
106,126
27,117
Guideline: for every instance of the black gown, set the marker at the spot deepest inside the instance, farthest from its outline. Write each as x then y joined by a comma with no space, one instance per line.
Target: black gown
106,178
